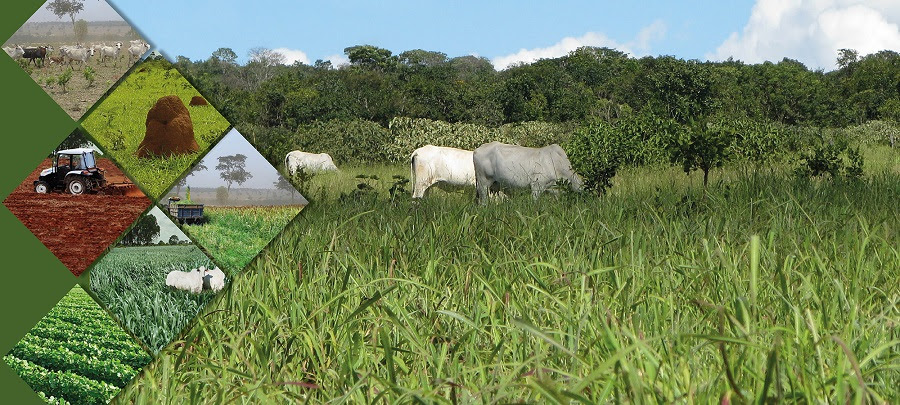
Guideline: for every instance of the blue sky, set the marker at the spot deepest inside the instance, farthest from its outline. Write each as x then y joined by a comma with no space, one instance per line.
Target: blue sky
508,31
485,28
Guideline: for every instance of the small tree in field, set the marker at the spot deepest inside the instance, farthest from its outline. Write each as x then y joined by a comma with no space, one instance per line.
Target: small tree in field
62,8
89,75
232,169
704,147
81,31
64,78
173,240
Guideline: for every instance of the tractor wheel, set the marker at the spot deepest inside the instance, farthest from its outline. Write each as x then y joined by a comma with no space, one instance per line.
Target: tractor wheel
77,186
42,187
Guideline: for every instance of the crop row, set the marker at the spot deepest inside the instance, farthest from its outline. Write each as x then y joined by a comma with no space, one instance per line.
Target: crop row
62,359
103,333
129,355
62,384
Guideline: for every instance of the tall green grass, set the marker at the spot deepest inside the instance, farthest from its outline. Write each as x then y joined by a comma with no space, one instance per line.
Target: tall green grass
118,124
769,289
131,283
235,235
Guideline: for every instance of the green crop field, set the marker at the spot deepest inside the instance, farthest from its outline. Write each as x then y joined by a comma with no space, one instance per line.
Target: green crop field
77,353
118,124
131,282
235,235
771,288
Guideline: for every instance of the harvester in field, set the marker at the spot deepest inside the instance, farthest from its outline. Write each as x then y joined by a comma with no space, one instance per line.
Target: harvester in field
75,171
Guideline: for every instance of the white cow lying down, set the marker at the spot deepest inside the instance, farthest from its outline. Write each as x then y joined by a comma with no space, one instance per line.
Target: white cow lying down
310,162
191,281
447,167
213,279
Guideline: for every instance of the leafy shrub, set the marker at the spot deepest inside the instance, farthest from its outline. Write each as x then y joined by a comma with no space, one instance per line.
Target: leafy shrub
832,155
409,134
596,152
90,75
874,132
64,78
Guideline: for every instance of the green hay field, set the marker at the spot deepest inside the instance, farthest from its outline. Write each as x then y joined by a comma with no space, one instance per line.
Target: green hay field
118,124
771,289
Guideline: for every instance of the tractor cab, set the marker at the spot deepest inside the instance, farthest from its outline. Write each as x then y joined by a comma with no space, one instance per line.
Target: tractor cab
74,171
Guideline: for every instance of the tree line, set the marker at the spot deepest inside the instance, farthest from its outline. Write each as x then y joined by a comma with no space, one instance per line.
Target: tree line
589,82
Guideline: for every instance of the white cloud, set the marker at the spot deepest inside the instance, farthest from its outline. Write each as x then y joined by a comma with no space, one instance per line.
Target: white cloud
293,55
337,59
641,44
812,31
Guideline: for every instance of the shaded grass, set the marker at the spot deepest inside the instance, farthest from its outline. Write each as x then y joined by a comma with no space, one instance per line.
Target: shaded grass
118,124
131,283
772,288
235,235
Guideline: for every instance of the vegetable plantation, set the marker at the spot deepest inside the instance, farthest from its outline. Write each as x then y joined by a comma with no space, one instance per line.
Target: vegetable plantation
771,286
233,236
77,353
130,282
118,124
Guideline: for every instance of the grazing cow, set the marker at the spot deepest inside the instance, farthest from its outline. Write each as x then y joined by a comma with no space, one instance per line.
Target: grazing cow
449,168
33,54
15,52
499,166
311,162
79,54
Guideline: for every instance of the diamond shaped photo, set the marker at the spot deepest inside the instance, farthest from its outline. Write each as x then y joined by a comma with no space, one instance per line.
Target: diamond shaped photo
233,202
77,202
75,51
155,280
155,124
77,354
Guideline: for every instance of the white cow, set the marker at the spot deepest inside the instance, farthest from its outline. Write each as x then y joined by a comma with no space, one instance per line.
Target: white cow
15,52
191,281
136,50
449,168
311,162
500,166
213,279
79,54
110,52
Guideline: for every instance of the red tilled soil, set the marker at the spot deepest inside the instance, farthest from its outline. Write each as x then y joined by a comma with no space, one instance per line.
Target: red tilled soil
76,228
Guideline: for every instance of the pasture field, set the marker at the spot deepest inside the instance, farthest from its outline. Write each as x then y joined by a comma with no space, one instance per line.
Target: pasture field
118,124
233,236
131,282
771,288
77,353
81,91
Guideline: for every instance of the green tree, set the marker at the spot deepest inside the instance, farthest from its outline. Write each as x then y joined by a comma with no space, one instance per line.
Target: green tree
703,147
370,57
62,8
283,184
144,231
81,30
174,240
890,112
232,169
225,55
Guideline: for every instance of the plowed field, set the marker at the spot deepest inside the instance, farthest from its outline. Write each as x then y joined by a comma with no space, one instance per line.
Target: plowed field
76,228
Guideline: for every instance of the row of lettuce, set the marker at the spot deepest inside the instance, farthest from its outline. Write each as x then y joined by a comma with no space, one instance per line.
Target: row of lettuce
77,354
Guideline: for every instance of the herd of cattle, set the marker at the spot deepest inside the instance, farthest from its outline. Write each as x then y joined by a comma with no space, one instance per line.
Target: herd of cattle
78,53
491,168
